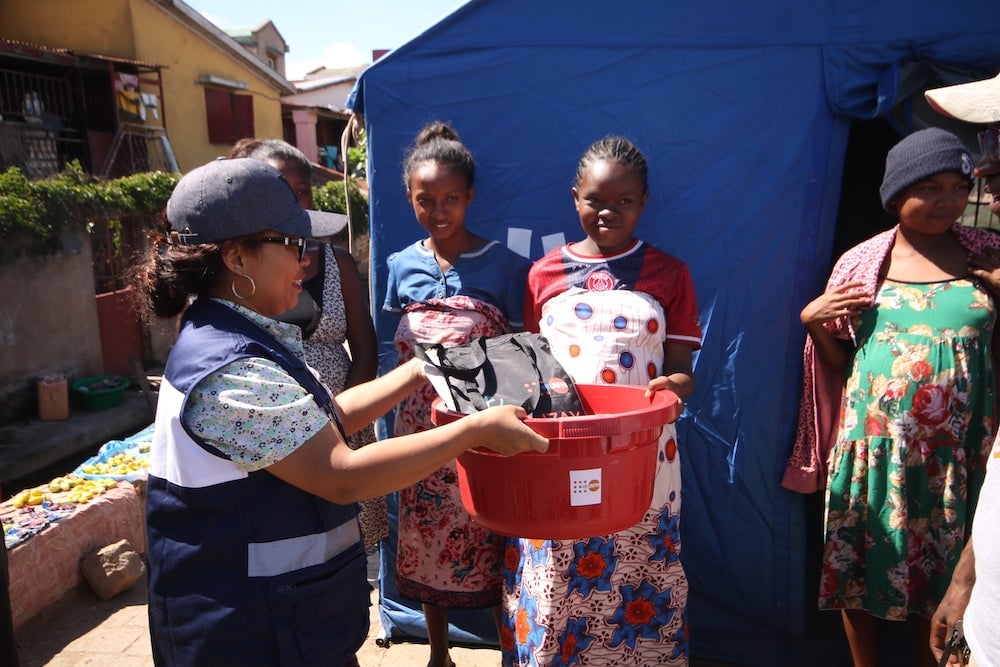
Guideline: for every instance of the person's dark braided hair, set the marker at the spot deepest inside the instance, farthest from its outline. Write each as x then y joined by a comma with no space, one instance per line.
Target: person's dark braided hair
614,149
438,142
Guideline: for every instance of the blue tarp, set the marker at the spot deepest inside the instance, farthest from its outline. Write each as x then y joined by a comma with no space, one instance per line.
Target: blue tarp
743,111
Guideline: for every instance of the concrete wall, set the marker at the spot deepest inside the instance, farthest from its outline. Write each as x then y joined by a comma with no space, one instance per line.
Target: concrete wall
102,27
48,323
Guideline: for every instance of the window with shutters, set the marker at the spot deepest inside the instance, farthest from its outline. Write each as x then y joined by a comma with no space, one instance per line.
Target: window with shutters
230,116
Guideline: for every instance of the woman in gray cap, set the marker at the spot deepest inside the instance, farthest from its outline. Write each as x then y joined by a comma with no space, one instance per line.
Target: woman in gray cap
255,553
904,330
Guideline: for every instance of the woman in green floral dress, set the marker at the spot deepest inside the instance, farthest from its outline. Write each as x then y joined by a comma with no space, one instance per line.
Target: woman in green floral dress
916,412
918,407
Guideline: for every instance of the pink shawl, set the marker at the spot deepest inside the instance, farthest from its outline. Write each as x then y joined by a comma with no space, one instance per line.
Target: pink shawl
822,386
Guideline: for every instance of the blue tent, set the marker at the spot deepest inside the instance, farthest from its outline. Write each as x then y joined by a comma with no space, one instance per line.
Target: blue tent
744,112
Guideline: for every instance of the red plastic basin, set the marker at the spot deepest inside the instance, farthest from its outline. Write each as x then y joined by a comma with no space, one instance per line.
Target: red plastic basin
596,478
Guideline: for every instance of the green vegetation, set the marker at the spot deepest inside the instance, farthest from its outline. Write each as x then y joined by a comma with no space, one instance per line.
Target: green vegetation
34,214
330,197
357,158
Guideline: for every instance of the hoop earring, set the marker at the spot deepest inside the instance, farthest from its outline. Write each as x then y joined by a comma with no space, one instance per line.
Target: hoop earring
253,288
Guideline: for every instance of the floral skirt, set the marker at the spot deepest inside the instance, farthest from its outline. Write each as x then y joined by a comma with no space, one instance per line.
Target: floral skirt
617,599
444,558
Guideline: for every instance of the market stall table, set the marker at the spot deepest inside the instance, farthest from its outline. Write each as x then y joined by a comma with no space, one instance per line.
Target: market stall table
46,566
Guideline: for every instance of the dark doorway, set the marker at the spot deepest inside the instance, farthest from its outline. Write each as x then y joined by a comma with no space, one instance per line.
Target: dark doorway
861,215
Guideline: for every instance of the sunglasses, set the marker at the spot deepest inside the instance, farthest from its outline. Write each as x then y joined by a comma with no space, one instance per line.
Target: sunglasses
292,241
989,146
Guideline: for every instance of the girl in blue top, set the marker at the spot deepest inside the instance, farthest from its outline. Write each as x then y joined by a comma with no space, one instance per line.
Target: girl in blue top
447,288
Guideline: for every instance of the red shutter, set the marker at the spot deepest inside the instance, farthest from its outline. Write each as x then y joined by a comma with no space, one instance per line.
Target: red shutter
219,116
242,116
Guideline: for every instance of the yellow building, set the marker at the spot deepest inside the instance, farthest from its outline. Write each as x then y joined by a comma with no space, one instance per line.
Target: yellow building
211,91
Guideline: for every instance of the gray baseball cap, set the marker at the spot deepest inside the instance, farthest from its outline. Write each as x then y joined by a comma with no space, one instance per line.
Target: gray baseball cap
230,198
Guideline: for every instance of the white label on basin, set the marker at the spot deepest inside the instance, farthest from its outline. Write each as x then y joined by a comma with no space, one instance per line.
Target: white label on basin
585,487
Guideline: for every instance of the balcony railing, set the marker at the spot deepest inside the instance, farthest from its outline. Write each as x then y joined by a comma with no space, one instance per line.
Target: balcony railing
36,123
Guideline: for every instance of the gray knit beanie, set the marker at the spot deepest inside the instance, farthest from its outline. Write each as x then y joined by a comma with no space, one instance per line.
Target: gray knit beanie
919,155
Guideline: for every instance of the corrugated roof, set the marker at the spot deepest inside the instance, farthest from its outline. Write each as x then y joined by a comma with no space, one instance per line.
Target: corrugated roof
30,51
315,84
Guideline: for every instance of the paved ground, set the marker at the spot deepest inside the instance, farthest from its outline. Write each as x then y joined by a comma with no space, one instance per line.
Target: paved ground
82,630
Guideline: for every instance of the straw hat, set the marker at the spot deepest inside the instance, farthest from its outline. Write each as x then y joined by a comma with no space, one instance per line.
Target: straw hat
975,102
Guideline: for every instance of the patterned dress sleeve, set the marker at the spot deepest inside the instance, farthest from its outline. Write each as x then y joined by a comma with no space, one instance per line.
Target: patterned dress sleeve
253,412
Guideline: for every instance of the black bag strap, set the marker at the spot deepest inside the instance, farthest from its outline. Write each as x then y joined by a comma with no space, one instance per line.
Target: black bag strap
524,341
462,362
471,373
547,369
460,366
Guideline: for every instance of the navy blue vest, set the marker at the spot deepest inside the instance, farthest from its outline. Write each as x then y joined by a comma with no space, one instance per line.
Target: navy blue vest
245,569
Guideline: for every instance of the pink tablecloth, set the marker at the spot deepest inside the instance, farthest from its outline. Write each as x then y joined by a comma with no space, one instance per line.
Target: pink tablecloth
45,567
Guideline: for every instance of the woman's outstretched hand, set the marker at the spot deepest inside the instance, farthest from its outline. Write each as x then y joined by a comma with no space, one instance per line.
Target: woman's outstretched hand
503,430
